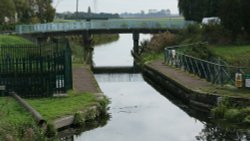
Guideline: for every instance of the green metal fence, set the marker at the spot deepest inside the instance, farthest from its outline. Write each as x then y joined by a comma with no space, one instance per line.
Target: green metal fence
36,71
216,72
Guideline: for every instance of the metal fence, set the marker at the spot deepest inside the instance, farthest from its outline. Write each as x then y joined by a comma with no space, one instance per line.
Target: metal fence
36,71
216,72
104,24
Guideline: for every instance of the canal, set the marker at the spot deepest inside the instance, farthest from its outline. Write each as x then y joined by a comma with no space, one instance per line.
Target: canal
138,112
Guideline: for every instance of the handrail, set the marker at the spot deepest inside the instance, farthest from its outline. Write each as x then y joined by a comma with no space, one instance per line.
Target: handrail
211,71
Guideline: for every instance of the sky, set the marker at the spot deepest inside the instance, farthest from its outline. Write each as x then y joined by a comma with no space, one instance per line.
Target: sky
116,6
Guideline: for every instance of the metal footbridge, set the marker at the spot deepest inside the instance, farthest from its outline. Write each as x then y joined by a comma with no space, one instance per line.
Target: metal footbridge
105,26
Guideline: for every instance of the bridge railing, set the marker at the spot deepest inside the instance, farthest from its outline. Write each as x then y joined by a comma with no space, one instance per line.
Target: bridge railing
102,24
215,72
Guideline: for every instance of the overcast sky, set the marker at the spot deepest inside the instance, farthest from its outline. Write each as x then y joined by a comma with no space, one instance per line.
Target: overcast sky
116,6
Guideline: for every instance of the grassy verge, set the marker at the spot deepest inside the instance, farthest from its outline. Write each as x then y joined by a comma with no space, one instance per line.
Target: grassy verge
12,40
15,121
235,55
148,57
53,108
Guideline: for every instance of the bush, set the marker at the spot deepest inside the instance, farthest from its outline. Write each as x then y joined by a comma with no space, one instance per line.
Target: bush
216,34
200,51
233,115
78,120
50,131
160,41
218,112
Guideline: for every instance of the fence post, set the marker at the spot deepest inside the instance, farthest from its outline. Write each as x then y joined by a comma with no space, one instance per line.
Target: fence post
68,67
221,73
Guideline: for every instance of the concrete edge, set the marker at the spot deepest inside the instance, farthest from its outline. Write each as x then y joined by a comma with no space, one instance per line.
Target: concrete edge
68,120
201,99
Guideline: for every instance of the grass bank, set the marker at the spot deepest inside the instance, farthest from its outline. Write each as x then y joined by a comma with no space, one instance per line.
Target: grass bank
237,55
13,40
15,122
53,108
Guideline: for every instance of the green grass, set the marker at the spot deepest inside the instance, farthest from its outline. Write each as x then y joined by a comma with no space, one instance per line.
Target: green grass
53,108
235,55
13,118
148,57
11,112
12,40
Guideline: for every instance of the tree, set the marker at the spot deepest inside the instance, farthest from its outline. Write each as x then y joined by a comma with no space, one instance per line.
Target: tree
7,9
43,10
245,6
23,11
231,15
197,9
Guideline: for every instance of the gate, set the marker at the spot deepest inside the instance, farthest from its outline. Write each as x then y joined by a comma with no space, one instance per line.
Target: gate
36,71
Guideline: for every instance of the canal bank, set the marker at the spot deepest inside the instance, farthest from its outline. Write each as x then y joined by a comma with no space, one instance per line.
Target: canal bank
189,88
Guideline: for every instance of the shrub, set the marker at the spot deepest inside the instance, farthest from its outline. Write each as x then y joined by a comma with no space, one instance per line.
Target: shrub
216,34
160,41
218,112
50,131
233,115
78,120
200,51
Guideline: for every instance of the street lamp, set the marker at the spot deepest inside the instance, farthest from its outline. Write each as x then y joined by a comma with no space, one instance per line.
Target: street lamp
77,9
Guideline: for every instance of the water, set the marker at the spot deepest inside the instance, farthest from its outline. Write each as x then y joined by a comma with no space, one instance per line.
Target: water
140,113
116,53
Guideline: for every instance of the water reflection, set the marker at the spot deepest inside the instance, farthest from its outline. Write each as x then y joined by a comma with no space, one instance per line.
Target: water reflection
116,53
216,133
212,131
69,133
140,113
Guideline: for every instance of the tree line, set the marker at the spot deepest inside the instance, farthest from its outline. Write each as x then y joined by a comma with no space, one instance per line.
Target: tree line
26,11
234,14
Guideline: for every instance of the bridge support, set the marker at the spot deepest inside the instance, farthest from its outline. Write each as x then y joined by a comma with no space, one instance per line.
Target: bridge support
136,37
87,47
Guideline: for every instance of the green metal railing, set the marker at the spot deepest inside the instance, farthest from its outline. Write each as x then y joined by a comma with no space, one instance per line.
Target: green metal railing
103,24
36,71
216,72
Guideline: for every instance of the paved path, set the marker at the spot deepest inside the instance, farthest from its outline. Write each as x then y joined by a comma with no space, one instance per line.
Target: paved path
84,80
193,82
184,78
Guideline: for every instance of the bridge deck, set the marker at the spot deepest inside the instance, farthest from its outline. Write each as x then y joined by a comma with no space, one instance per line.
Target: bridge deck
116,26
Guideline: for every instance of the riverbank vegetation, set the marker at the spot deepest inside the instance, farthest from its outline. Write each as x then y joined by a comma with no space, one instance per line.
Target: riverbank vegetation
228,113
